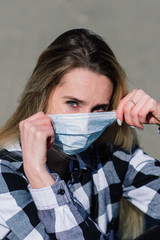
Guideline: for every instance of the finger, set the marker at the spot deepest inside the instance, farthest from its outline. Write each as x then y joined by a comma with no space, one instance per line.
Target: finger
130,105
45,121
36,116
146,114
37,137
40,121
35,144
31,118
41,132
51,121
135,112
122,103
127,109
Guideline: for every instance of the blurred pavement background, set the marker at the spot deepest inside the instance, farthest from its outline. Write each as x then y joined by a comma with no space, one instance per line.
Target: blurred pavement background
132,29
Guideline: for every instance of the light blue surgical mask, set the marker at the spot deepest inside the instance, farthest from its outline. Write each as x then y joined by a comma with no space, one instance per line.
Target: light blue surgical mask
76,132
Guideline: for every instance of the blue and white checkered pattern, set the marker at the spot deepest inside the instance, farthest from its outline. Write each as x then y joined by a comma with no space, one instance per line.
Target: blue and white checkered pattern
85,205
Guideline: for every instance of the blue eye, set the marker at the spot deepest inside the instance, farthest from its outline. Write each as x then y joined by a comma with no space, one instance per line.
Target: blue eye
72,103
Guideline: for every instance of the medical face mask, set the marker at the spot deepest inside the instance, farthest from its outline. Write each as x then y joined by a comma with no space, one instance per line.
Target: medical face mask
76,132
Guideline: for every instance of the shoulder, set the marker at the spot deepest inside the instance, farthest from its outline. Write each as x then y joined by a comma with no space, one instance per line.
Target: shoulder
136,158
11,169
11,156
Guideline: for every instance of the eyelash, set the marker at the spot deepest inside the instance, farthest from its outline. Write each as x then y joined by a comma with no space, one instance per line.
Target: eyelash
100,108
74,104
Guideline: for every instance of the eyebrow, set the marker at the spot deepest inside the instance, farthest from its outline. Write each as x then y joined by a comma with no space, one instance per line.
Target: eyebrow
105,105
74,99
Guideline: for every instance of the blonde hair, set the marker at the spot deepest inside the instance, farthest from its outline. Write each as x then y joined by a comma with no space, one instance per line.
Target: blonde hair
78,48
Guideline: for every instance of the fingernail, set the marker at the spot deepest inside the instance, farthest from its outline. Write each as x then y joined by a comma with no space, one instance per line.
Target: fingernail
133,127
141,129
119,122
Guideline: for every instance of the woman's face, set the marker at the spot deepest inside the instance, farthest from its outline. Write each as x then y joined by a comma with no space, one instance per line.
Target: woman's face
81,91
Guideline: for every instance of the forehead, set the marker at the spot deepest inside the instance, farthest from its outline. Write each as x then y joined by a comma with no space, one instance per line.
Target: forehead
84,79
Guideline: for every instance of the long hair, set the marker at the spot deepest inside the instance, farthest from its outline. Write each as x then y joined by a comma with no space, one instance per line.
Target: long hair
77,48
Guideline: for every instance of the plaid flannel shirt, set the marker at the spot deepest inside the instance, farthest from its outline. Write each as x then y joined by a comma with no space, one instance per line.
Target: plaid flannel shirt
83,206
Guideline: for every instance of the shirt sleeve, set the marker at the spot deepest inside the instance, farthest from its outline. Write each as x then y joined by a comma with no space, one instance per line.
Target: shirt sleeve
18,213
63,217
142,183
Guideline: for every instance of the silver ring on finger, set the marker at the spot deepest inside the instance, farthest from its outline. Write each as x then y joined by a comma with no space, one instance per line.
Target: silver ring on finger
131,100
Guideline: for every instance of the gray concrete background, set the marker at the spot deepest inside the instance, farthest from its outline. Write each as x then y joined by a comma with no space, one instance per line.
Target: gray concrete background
132,29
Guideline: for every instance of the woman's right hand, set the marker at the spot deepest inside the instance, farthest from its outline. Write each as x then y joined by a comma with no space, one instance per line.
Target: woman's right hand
37,135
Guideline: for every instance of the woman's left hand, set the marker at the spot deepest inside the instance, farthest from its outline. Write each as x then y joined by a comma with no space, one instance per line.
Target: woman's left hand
138,108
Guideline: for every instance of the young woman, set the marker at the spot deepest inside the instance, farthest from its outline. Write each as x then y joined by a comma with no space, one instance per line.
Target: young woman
65,163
